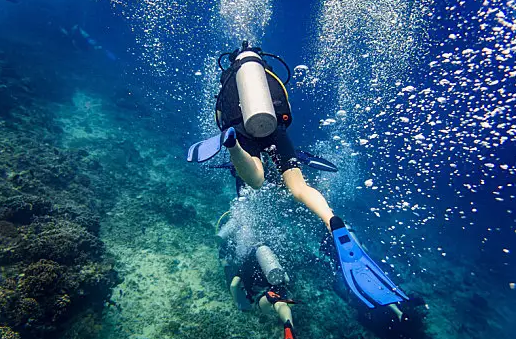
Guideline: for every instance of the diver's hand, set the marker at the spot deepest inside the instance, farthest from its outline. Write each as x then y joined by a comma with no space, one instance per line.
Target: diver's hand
230,138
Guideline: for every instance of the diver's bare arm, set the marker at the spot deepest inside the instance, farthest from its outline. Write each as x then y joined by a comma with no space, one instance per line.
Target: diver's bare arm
236,285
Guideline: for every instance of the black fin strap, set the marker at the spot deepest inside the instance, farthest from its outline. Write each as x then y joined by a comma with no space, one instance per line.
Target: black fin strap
336,223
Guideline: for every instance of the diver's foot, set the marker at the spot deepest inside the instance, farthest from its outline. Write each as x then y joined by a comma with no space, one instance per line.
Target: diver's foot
288,330
336,223
230,138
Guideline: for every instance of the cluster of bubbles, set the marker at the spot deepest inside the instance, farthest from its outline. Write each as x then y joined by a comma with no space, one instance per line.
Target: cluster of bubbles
268,216
376,39
244,19
209,88
235,21
301,75
170,34
448,133
168,38
361,48
152,23
456,124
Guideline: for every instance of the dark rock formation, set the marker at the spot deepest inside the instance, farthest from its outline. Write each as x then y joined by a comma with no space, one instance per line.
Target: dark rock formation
53,267
54,271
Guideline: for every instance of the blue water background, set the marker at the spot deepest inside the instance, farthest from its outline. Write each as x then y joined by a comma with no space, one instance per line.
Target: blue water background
288,35
169,104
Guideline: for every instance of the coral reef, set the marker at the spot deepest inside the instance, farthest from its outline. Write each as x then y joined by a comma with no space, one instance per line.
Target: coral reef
21,209
8,333
54,269
64,242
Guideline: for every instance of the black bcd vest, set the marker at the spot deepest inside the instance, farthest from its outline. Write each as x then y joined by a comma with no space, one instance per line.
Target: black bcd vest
228,102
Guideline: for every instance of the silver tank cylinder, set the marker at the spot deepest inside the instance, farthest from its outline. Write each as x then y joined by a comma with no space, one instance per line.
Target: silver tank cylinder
270,265
255,98
226,231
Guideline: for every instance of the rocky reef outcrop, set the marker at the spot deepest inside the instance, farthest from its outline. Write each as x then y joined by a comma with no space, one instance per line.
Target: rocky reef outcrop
55,273
53,267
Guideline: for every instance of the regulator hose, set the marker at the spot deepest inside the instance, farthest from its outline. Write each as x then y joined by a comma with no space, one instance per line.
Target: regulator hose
284,64
259,52
219,61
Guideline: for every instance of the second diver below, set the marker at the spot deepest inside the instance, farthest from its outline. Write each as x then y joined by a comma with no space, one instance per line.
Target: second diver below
257,280
253,114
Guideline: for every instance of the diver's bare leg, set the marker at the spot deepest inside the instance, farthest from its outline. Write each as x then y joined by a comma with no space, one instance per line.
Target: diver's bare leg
396,311
307,195
249,168
281,308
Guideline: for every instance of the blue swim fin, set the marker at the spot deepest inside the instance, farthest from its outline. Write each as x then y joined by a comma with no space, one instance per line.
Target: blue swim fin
315,161
367,281
205,150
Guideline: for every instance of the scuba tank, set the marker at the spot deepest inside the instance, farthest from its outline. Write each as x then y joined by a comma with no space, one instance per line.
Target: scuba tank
258,112
270,265
252,98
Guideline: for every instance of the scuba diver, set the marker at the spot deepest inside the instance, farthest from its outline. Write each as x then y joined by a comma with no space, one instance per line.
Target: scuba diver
328,250
253,114
257,281
82,41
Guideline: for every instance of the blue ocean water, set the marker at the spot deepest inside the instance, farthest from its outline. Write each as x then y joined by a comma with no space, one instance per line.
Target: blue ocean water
413,100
